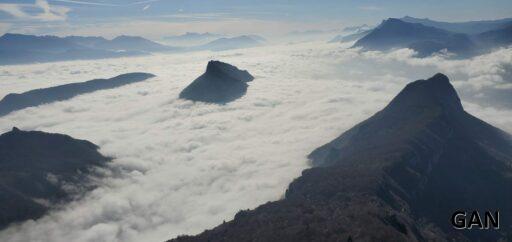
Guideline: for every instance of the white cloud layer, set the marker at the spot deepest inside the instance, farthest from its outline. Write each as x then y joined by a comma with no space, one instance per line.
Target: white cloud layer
189,166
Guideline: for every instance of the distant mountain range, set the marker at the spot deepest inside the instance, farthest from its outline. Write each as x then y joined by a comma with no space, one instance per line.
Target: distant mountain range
398,176
20,49
39,171
120,43
24,49
133,43
350,37
470,27
426,39
239,42
221,83
191,38
14,101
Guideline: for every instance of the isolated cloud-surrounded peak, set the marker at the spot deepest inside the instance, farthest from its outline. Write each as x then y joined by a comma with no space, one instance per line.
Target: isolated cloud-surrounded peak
40,10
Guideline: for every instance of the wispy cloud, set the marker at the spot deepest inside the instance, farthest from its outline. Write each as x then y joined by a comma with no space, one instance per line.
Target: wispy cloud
146,7
46,12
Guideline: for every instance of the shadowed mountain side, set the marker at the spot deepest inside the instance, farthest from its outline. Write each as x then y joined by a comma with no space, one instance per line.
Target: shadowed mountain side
398,176
13,101
221,83
40,170
440,158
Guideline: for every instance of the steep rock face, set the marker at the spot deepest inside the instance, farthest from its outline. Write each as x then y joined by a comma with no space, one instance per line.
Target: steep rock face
16,101
221,83
40,170
398,176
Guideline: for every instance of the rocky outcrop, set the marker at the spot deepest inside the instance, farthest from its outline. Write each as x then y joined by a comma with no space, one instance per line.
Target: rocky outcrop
41,170
221,83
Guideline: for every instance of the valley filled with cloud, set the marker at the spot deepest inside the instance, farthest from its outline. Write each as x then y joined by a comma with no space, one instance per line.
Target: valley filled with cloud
181,167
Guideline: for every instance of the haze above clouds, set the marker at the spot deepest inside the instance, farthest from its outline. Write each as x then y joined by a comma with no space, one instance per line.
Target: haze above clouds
184,166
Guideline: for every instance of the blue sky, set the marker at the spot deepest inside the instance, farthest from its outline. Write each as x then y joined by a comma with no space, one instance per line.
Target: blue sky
157,18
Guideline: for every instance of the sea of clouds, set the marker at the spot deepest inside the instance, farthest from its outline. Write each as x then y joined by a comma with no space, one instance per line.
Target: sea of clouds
186,166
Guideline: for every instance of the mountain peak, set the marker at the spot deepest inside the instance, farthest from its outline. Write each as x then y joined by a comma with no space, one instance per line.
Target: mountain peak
435,91
221,83
396,22
392,21
215,66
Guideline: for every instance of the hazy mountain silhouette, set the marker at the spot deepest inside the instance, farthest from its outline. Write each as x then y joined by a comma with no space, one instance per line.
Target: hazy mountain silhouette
31,42
134,43
426,40
394,33
40,170
191,38
470,27
398,176
221,83
22,49
240,42
357,28
256,37
87,41
350,37
496,38
14,101
352,33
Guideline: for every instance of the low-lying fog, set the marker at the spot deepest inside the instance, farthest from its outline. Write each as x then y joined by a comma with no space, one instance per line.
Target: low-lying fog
188,166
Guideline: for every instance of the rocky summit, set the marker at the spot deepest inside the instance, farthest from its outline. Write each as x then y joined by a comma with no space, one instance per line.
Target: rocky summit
221,83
